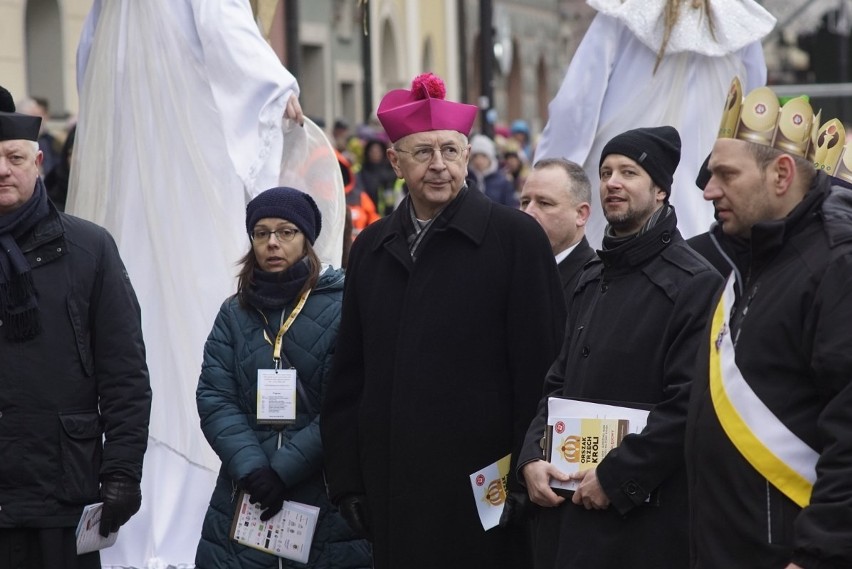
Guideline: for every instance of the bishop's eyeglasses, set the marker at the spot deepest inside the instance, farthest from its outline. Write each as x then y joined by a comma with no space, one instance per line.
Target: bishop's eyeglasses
424,154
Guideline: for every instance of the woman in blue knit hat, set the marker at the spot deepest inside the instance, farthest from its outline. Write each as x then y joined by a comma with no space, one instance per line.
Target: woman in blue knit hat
259,394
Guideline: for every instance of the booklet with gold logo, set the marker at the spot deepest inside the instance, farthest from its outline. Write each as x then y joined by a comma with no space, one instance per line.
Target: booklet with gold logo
580,434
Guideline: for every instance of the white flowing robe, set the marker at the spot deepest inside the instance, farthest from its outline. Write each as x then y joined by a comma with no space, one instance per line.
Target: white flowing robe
610,87
180,124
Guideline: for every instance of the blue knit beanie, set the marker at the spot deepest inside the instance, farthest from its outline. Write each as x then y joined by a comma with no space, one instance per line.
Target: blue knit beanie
286,203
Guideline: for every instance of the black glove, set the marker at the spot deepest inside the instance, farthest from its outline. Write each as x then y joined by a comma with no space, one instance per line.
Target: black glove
515,509
122,498
265,486
356,512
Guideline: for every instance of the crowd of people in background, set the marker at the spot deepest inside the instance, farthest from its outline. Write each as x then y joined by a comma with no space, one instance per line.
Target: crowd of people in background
373,190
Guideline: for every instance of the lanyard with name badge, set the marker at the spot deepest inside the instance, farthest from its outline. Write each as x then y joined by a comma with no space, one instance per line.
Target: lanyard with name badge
276,387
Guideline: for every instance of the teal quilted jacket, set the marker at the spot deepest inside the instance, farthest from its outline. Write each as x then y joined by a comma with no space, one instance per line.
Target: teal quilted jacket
226,398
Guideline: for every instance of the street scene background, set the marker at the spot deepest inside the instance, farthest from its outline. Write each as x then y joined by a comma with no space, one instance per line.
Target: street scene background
345,55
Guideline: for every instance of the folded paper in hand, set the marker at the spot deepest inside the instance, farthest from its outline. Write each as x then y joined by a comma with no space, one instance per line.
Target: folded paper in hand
88,530
489,491
287,534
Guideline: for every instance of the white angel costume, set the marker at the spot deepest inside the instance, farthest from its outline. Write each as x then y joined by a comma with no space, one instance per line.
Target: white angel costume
181,105
610,87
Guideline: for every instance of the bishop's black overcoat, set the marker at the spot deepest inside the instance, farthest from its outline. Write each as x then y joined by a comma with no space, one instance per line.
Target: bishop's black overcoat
439,367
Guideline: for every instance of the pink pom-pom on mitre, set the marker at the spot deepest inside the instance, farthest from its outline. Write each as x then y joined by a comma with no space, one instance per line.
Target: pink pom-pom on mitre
428,86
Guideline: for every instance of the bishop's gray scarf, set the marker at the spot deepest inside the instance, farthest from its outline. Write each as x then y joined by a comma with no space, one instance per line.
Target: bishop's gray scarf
420,229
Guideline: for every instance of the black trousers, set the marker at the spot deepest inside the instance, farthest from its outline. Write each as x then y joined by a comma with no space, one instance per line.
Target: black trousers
43,548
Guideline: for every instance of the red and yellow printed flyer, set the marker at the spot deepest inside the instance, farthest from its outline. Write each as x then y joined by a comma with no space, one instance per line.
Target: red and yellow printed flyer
489,491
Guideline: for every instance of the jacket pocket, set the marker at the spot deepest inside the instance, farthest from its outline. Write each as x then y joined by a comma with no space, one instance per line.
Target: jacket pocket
12,473
81,335
81,451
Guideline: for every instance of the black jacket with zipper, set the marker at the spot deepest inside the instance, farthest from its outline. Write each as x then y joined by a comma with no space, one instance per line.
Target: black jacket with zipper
793,325
75,400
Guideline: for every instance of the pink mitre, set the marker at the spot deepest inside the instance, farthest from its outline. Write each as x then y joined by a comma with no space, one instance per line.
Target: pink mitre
423,108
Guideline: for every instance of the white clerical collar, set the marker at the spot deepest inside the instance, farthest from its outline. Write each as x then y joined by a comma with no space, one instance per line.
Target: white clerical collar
561,256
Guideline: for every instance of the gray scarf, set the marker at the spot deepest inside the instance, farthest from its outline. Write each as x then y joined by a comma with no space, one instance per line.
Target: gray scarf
420,229
611,241
18,300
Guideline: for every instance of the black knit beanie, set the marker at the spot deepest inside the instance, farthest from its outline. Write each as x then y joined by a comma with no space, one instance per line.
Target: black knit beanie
656,150
286,203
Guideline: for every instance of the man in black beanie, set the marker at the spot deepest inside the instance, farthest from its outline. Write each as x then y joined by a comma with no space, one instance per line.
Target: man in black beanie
637,320
635,159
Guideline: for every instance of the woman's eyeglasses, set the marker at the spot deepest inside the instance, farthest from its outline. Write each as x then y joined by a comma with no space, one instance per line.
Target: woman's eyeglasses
283,234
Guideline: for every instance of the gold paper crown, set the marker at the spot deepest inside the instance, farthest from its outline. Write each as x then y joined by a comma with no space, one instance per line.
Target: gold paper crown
761,119
792,128
832,151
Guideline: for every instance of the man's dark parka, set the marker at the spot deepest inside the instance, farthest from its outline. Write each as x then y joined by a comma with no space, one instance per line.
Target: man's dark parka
437,373
793,324
82,378
637,318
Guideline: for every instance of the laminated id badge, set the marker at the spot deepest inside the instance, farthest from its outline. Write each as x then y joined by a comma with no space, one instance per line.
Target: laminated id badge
276,396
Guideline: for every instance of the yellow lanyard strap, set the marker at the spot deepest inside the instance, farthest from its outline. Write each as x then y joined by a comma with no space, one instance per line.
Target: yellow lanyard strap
285,325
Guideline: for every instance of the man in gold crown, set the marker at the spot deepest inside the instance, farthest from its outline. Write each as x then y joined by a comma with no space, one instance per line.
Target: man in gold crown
769,434
451,314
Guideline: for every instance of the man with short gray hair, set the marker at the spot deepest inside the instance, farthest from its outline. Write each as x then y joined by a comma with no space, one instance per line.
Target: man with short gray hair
557,193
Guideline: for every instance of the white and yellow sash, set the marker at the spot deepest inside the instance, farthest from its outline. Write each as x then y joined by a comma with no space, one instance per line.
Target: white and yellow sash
786,461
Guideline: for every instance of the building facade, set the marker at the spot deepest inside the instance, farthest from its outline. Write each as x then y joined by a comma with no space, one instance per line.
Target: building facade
533,44
38,45
353,51
350,51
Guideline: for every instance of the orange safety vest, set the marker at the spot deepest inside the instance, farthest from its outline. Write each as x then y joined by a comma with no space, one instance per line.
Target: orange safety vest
361,207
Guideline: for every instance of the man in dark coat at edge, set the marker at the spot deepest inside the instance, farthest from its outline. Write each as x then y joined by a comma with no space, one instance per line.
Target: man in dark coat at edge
777,367
637,318
557,193
451,311
74,389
